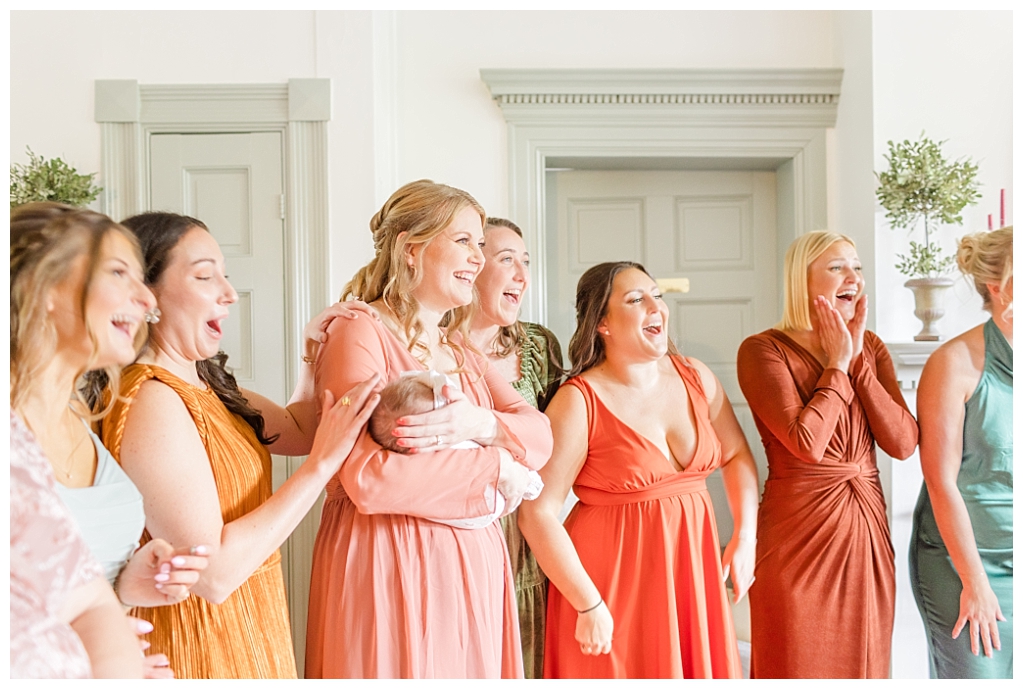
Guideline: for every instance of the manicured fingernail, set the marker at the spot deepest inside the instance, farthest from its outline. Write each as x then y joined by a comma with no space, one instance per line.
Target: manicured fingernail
178,561
159,586
164,568
143,626
199,550
162,577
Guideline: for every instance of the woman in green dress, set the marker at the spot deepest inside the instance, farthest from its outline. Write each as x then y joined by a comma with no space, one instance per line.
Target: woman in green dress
961,550
528,356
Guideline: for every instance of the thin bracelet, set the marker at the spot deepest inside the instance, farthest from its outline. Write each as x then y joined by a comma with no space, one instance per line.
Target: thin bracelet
583,612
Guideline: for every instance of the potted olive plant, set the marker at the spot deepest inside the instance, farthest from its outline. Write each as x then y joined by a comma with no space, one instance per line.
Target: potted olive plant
920,184
50,180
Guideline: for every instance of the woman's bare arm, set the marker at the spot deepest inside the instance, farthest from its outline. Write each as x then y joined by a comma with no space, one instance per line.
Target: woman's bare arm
163,454
548,538
948,379
94,613
739,475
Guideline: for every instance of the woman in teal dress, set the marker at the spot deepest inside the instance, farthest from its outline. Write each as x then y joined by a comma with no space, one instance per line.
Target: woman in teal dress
529,357
961,549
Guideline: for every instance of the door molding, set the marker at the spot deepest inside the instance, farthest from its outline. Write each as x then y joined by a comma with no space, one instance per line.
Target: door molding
774,116
129,113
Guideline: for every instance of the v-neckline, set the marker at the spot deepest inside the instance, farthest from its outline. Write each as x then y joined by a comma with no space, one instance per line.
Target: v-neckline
668,460
806,352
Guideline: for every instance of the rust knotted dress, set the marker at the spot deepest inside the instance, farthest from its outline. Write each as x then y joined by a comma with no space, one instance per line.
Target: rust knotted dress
646,535
248,636
823,603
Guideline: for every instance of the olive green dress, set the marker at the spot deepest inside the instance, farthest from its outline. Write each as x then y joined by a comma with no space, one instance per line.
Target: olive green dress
985,482
540,365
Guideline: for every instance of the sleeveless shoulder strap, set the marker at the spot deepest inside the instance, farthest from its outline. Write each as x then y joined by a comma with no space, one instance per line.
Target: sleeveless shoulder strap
132,378
591,401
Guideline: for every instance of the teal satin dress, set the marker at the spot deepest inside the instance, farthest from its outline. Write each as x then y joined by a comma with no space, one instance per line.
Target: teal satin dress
985,482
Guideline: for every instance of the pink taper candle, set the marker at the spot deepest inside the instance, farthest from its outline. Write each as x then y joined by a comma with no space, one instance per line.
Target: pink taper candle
990,221
1001,217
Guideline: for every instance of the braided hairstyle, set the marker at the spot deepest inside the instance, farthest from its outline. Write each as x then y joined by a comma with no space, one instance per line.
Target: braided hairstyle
414,214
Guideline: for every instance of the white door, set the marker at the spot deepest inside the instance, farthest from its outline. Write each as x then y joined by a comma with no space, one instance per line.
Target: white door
715,228
234,184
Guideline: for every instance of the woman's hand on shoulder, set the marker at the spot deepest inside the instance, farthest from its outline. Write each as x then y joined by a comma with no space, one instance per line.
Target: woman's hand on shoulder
594,630
835,338
341,422
315,332
453,423
158,574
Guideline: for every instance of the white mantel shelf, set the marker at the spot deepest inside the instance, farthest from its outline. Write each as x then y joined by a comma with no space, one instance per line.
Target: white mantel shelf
909,359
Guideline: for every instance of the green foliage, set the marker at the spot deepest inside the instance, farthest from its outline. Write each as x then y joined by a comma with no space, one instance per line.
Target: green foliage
920,183
50,180
924,261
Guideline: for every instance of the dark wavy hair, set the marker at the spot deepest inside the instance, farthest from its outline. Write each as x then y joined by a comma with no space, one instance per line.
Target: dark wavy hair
592,294
158,233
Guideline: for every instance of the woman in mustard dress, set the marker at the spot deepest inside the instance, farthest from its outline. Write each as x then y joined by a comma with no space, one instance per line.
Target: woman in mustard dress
197,448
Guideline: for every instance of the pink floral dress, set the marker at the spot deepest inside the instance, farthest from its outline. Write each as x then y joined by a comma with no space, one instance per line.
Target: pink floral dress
48,560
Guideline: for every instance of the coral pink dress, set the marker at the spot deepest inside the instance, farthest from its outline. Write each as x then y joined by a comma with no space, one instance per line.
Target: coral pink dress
646,535
394,595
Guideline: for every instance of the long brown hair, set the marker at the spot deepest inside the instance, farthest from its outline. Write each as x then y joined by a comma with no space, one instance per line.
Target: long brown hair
592,294
46,239
415,214
158,233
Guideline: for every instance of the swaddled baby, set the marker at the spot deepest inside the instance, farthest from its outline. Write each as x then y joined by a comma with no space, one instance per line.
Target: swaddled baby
417,392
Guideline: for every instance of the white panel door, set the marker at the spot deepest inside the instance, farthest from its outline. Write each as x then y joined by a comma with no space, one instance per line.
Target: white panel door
715,228
233,183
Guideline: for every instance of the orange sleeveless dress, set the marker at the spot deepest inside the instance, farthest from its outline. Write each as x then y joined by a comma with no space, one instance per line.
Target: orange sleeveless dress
248,636
646,535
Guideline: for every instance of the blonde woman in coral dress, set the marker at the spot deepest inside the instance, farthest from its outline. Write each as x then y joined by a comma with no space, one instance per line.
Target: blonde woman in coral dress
197,448
637,575
393,594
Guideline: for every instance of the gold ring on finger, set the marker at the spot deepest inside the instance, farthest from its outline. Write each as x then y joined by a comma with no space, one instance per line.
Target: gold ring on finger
345,401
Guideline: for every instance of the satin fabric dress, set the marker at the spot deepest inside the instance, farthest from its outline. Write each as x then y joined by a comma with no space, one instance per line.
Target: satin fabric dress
985,482
823,601
646,535
537,383
394,595
248,636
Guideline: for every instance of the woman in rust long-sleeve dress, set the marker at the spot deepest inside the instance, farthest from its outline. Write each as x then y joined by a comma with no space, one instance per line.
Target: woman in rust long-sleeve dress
822,390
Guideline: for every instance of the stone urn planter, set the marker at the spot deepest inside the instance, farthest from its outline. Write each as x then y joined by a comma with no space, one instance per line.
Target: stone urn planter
929,294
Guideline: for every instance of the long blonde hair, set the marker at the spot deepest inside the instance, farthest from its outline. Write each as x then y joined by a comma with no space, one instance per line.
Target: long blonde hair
986,257
46,239
801,253
415,214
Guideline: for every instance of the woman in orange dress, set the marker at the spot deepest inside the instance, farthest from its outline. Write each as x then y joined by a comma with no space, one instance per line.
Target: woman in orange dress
636,571
822,390
394,594
195,444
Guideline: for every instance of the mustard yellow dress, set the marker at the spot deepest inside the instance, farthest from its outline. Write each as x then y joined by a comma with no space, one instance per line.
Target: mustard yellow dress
248,636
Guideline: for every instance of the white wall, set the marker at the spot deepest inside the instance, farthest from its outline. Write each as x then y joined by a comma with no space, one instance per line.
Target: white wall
949,74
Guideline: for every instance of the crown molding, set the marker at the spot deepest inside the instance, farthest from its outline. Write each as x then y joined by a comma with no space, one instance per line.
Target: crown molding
710,97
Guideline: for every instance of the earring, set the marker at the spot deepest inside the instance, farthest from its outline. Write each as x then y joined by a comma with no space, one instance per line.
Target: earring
153,315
